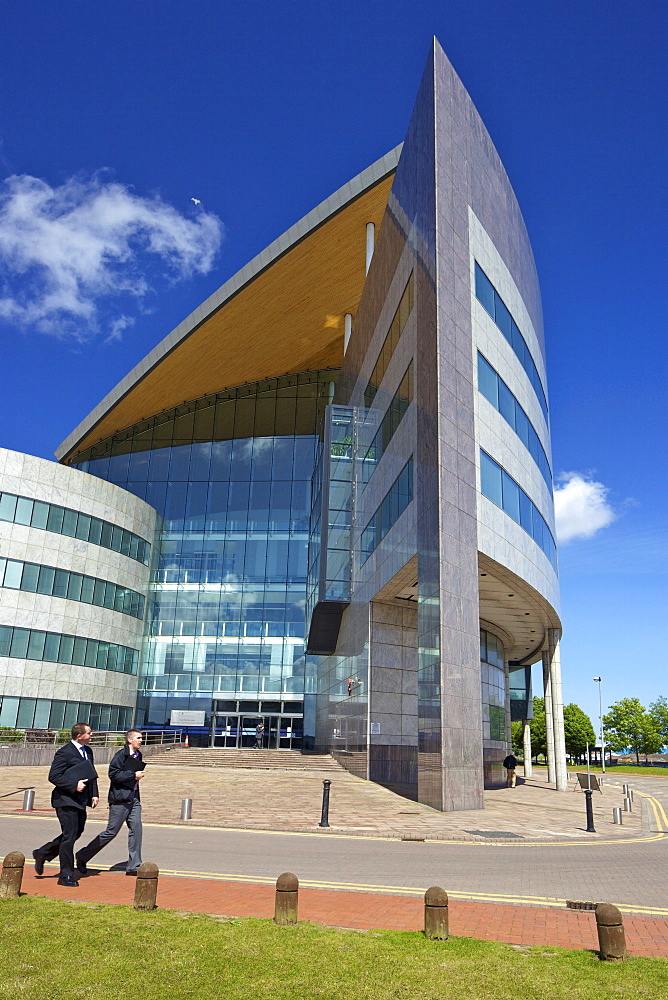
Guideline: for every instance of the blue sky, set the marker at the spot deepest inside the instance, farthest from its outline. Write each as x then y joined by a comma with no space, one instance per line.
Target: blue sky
114,116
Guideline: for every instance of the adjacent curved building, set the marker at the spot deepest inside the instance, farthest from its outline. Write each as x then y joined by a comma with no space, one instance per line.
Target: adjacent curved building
75,554
357,534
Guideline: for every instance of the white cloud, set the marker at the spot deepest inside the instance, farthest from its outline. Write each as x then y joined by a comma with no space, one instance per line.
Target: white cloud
581,507
70,255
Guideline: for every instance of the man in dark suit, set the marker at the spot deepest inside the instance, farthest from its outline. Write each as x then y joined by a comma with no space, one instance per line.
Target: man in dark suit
75,781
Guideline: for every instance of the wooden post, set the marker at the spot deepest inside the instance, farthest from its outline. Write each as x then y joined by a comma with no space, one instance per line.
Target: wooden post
146,889
287,899
12,875
436,914
611,939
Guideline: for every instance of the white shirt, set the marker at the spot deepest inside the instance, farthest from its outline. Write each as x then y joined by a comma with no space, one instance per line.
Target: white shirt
80,747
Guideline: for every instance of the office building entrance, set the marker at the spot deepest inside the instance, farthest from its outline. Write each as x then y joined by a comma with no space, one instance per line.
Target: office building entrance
239,731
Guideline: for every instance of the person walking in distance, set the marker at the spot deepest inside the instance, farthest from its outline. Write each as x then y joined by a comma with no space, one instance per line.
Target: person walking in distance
259,736
75,779
510,764
125,772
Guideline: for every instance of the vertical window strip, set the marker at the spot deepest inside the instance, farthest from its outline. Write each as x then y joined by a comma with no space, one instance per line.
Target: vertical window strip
392,507
493,304
389,425
495,390
65,521
502,490
391,340
54,714
36,579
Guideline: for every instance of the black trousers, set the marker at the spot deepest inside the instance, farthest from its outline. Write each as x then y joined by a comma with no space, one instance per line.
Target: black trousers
72,822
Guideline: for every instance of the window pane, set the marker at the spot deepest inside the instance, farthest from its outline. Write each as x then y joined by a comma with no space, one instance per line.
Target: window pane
52,647
30,577
5,639
490,479
526,515
484,290
55,521
46,577
511,497
36,645
70,523
522,425
23,510
488,382
503,318
87,590
66,648
83,527
95,531
74,587
13,574
40,514
20,642
60,583
506,404
7,506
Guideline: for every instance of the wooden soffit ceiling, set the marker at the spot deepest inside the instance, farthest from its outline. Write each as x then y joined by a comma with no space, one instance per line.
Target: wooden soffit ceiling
287,318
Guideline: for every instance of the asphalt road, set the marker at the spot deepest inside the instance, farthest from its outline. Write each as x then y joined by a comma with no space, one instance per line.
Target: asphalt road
633,874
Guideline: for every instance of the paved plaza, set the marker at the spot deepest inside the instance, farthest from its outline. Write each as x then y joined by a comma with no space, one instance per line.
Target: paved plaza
508,869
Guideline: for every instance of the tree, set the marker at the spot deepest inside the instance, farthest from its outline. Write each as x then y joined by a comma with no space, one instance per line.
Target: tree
629,726
517,734
578,731
658,711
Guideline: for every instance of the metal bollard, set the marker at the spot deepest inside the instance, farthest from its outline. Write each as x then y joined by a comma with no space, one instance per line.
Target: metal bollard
436,914
287,899
28,800
12,875
324,816
186,808
617,816
146,889
628,806
611,939
626,789
590,811
630,793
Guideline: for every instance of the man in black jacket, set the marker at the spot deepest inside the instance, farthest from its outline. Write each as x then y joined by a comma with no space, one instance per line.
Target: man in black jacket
125,772
75,781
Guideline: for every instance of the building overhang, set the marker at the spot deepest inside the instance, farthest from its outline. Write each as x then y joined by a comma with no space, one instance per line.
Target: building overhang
282,313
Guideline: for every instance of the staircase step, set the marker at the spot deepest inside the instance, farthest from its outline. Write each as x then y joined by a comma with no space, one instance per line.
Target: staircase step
221,757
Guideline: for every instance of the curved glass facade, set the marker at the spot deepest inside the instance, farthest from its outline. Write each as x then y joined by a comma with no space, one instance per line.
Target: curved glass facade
231,476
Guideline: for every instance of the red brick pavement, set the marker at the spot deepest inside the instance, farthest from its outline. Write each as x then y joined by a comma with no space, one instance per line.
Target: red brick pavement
519,925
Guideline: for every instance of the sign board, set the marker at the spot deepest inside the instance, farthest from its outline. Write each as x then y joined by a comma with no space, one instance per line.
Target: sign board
179,718
374,728
588,781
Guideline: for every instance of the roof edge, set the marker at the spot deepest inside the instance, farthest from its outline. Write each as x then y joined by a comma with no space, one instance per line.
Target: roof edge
350,191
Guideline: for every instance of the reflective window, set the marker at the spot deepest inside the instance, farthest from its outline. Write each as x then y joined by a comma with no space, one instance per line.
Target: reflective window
493,304
388,425
397,499
54,582
391,340
231,475
493,388
46,713
51,517
493,687
501,489
53,647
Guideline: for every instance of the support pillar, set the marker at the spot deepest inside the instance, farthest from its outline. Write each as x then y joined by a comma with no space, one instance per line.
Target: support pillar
557,710
526,736
370,239
549,717
347,328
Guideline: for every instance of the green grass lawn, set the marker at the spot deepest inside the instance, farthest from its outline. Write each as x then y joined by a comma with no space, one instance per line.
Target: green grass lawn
649,772
51,950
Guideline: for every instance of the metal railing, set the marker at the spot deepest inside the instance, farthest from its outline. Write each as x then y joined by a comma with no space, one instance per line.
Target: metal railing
103,738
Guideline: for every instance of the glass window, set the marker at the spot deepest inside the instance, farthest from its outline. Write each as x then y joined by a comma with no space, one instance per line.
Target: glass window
46,578
95,531
5,639
98,593
30,577
70,518
511,497
83,526
87,589
24,508
13,574
40,514
52,647
61,580
74,587
484,290
9,711
55,521
36,643
26,714
504,320
490,479
7,506
506,404
522,426
20,642
66,648
488,382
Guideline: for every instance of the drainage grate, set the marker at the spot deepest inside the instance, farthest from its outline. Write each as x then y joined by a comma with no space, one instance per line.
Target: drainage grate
495,834
576,904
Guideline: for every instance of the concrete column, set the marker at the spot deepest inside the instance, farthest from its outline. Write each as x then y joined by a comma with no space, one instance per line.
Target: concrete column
347,328
549,717
370,238
557,710
526,735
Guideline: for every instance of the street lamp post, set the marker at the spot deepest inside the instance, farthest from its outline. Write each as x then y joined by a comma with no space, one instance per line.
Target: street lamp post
600,719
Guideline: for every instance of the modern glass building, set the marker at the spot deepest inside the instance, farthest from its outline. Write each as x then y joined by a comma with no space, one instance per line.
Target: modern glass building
356,527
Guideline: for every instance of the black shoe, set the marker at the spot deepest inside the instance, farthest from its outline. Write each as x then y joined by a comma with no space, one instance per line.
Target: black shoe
67,880
39,862
131,871
81,866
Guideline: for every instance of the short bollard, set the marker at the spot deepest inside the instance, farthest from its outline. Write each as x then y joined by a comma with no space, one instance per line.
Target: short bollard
590,811
29,800
146,889
436,914
617,816
324,816
287,899
186,808
12,875
626,790
611,940
628,805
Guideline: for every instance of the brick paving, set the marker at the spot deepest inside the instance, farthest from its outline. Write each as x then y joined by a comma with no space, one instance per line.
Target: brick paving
517,925
238,798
